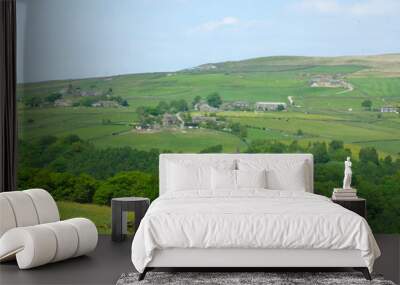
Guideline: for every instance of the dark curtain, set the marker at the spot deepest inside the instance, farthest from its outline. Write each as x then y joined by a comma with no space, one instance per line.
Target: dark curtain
8,120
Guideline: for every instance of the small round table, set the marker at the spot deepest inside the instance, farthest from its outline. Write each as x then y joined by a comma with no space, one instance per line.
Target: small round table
119,209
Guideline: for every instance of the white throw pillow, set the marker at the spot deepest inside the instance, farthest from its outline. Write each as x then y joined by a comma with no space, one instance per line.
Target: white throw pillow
186,178
251,178
223,179
292,179
281,174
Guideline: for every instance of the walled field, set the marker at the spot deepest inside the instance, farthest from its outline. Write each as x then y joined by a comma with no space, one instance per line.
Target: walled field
321,113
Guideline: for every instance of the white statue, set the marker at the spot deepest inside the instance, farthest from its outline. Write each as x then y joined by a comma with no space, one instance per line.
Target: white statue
347,174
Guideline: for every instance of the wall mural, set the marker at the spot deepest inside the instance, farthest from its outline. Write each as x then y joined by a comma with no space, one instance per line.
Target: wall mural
104,88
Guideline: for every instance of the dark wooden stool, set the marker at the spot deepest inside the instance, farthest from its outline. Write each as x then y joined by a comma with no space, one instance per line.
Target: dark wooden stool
120,207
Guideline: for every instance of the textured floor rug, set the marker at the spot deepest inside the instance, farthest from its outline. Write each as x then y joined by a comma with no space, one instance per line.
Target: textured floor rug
229,278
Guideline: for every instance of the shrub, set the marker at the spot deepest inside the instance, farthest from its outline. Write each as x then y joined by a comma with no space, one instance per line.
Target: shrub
134,183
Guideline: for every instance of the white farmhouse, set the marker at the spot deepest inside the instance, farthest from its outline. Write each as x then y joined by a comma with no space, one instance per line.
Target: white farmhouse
269,106
390,109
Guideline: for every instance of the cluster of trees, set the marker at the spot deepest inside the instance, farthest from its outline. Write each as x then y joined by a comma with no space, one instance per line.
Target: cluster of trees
73,155
150,115
377,180
224,125
34,101
175,106
72,169
213,100
163,107
88,101
37,101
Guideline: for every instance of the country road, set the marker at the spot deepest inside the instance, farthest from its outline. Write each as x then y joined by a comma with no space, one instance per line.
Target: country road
182,124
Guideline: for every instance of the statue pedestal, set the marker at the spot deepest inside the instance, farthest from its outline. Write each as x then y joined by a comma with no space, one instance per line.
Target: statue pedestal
344,194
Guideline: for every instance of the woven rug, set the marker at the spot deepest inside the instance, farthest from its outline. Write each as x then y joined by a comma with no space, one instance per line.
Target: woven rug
229,278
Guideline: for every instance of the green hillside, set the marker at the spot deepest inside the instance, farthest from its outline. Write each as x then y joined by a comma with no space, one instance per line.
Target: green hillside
321,113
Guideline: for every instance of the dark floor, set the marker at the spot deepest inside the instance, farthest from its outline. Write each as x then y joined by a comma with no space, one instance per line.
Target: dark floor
110,260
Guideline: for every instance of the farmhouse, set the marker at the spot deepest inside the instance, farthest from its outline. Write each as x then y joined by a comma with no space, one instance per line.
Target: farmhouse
236,105
269,106
89,93
62,103
169,120
390,109
204,107
105,104
328,82
241,105
200,119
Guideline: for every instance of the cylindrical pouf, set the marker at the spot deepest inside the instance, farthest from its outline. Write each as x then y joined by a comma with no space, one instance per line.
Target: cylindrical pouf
23,208
46,207
33,246
67,240
87,235
7,218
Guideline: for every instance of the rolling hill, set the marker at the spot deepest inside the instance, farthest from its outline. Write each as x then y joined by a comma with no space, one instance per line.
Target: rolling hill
321,113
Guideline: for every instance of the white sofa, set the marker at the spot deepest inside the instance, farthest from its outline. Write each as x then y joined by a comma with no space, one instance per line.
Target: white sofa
31,231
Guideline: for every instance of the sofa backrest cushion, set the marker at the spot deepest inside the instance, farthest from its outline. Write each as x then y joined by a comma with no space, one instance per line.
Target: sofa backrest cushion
26,208
298,168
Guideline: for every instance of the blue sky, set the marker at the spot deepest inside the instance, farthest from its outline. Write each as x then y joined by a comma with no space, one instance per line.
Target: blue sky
62,39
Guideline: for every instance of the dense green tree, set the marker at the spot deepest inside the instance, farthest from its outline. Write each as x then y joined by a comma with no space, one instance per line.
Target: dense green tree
162,107
280,108
196,100
53,97
335,145
368,154
84,189
367,104
320,152
178,106
214,100
32,101
124,184
87,101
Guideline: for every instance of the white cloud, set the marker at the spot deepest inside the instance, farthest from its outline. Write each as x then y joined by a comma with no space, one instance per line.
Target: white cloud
215,25
376,7
231,22
359,8
321,6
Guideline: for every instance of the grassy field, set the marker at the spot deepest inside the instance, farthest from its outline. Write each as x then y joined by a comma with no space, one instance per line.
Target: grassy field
100,215
321,113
